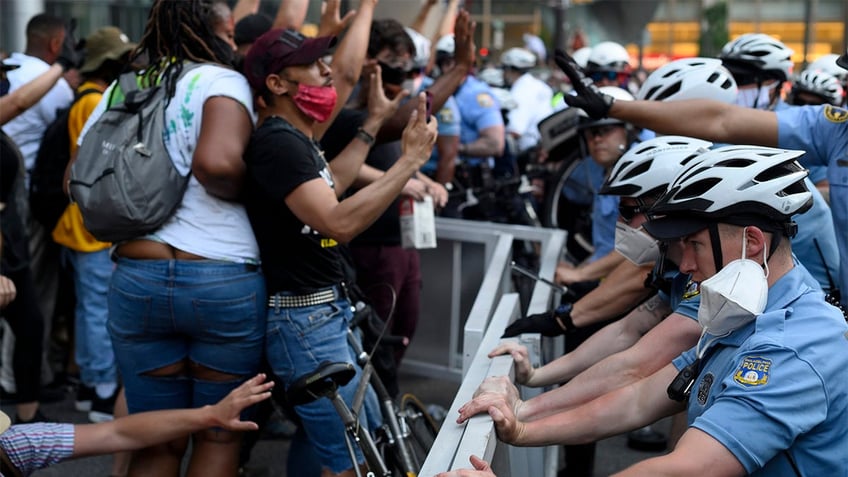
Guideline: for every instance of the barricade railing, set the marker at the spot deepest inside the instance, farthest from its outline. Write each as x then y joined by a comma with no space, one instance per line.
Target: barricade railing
480,253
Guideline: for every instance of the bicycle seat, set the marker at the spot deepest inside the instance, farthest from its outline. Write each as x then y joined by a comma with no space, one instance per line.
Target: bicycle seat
322,382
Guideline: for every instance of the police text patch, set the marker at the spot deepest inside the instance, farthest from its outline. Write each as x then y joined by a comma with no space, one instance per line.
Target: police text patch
753,371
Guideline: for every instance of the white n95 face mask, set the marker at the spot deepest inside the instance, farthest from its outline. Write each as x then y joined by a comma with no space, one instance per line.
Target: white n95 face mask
734,296
755,98
635,245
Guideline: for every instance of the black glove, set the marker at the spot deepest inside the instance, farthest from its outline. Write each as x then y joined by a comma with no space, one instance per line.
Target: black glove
550,323
71,55
588,98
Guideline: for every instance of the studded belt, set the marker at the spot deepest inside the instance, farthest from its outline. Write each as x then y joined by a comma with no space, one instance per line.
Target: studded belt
278,300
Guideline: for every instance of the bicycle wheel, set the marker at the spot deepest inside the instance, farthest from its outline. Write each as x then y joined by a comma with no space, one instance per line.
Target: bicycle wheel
422,427
568,205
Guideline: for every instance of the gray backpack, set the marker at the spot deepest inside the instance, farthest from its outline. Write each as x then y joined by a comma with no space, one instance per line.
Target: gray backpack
123,180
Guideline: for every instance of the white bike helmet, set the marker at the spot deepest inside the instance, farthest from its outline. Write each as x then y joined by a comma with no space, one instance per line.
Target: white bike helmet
690,78
581,56
504,98
518,58
737,183
491,76
608,56
758,52
649,167
820,84
446,45
828,64
422,48
619,94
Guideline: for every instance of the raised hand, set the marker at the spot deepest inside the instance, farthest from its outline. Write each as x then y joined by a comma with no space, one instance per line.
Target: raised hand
380,107
420,135
331,23
227,411
523,368
588,98
463,31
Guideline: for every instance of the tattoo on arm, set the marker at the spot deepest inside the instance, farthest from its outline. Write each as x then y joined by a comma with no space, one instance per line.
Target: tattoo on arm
655,306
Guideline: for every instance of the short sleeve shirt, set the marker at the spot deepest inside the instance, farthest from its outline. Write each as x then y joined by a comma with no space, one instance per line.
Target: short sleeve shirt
203,224
34,446
533,98
822,132
295,257
478,108
778,384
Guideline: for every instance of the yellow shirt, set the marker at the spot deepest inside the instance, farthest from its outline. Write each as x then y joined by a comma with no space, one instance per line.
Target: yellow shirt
70,231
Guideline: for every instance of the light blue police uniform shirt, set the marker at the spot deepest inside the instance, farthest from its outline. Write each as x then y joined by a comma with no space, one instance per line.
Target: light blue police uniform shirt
604,217
815,243
817,173
778,383
684,296
478,109
822,132
449,124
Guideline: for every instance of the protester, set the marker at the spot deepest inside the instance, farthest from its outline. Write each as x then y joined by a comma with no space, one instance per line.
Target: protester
186,302
292,191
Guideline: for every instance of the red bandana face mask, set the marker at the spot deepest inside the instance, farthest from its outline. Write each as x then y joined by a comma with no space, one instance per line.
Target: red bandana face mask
317,102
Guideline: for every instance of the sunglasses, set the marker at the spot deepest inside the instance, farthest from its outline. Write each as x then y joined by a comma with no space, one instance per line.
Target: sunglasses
628,212
591,133
597,76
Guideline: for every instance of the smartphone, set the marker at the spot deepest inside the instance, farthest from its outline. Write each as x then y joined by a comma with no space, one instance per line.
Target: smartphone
429,104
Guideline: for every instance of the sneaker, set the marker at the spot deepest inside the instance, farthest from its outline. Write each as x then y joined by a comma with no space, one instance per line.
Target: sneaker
102,409
38,417
85,395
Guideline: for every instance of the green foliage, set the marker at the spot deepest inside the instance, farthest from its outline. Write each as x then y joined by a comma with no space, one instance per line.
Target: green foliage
714,32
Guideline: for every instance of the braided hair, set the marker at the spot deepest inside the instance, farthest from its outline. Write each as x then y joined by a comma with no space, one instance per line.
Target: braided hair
179,30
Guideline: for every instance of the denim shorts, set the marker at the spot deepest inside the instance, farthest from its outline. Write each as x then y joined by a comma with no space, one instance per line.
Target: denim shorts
163,312
298,340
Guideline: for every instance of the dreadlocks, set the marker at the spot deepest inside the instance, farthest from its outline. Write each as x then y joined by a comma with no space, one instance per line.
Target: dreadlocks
179,30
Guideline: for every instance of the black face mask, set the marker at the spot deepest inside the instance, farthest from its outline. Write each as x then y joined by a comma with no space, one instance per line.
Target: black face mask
391,75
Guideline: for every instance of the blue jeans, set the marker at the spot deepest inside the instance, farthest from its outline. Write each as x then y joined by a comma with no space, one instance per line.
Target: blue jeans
93,346
298,340
163,312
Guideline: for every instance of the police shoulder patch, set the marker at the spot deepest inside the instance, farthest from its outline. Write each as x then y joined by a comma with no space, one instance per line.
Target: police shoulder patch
446,116
485,100
693,289
753,371
835,114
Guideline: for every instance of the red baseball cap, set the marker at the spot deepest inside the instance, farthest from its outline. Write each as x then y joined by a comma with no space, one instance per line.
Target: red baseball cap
281,48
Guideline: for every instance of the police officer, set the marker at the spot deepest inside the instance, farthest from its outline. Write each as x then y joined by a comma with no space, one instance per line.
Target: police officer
763,388
819,130
532,96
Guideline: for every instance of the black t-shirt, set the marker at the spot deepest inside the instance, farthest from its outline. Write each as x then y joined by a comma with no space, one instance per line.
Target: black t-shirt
386,229
294,257
15,255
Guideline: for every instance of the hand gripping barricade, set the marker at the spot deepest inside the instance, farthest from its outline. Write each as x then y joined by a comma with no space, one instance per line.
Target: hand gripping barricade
123,179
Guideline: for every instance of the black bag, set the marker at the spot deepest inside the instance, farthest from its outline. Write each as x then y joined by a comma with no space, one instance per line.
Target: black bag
123,180
47,200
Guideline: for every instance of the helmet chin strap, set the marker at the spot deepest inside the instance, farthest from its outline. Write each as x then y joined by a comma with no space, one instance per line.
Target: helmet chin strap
715,242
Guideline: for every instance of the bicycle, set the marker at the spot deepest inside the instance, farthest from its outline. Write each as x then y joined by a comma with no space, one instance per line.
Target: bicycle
400,446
